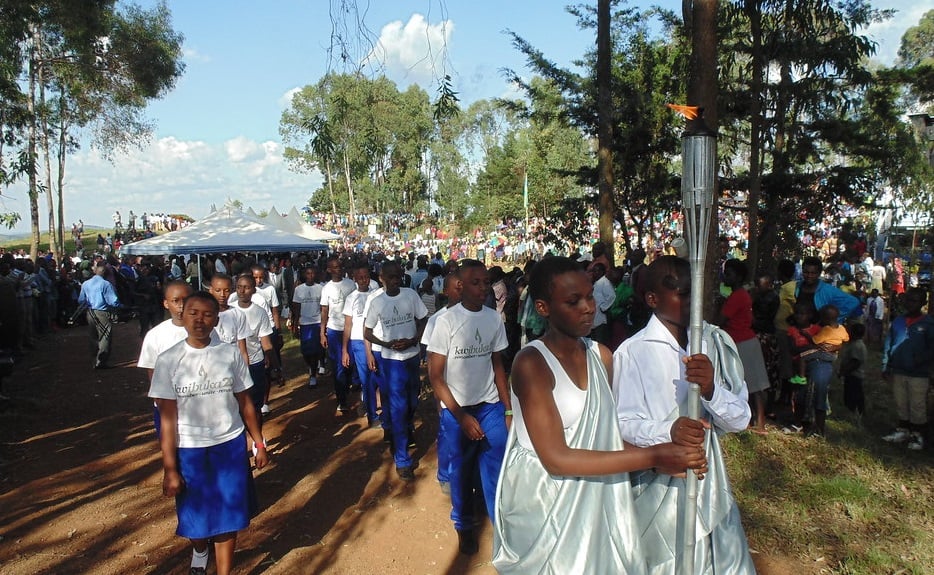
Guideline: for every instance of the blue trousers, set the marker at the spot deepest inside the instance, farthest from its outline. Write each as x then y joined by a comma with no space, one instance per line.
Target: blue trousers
367,382
379,380
401,382
258,391
466,457
341,375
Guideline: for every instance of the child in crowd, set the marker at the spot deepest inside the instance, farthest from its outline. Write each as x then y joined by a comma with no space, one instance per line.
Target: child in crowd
852,364
353,347
402,316
201,388
906,365
306,322
260,347
816,363
164,335
333,294
800,332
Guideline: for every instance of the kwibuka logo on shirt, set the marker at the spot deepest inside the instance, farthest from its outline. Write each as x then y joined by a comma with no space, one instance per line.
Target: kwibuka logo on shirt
397,318
475,350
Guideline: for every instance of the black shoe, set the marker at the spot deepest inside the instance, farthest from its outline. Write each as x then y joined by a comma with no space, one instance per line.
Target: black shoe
405,473
467,542
197,571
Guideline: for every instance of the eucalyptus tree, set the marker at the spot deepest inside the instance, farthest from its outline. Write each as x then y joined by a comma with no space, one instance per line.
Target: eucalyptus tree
368,140
86,63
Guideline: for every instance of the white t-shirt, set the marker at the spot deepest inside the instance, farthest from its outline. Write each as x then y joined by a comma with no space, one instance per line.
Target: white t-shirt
259,326
397,315
309,296
231,326
468,340
157,340
354,306
257,299
203,382
430,325
378,330
268,292
332,295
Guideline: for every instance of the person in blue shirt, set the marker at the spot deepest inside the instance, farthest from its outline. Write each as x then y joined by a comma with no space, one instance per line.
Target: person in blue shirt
820,293
906,365
100,299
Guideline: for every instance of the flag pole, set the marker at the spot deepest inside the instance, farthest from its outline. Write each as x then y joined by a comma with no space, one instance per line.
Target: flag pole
699,166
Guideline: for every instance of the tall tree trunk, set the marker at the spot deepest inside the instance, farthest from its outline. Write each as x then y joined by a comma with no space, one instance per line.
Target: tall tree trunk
47,159
350,199
702,91
605,128
31,148
754,13
60,189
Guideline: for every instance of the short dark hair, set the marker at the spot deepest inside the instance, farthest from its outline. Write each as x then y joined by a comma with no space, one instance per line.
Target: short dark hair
664,273
221,276
812,261
738,267
544,272
205,297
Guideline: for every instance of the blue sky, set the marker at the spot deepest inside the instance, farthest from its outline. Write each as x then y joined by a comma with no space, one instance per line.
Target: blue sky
217,133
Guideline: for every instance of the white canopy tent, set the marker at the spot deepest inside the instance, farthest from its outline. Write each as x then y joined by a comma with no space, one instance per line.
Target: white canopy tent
226,230
295,224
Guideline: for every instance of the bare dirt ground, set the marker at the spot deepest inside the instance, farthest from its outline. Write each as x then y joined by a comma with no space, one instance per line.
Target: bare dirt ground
80,481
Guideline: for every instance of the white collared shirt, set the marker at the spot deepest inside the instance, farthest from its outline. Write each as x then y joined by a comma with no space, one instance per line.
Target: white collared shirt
648,381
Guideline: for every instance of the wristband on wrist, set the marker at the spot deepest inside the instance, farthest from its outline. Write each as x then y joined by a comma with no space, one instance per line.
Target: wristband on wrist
508,412
260,444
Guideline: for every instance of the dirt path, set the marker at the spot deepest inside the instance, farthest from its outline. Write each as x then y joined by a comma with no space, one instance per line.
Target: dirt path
80,481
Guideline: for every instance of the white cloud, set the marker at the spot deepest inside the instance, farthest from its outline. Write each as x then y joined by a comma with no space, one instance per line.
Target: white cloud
285,101
193,55
240,149
177,176
413,51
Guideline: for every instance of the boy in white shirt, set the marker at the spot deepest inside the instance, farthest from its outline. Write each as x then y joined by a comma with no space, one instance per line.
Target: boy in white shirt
231,324
259,345
402,316
333,294
306,321
165,335
466,371
353,346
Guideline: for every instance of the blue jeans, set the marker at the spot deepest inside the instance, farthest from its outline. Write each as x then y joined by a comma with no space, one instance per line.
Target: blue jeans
466,457
341,376
357,353
401,383
820,372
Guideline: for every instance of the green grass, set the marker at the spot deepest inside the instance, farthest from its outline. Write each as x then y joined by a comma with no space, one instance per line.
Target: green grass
90,239
851,503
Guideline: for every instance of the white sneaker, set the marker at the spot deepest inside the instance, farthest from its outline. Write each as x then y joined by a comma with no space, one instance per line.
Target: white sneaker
264,409
917,442
321,370
898,436
312,381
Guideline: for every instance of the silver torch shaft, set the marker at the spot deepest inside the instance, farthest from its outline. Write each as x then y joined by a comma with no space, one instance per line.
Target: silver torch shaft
699,157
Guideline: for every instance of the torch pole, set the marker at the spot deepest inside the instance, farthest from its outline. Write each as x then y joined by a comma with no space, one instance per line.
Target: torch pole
699,156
